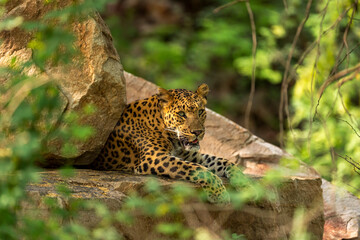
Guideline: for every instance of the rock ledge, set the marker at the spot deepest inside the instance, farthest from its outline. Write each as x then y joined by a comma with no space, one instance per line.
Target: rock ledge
261,220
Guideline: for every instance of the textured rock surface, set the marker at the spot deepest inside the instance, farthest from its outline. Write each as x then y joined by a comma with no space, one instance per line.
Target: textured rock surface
262,220
94,78
342,211
102,84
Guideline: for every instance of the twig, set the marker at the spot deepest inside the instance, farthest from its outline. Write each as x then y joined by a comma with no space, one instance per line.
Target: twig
346,56
285,81
254,45
218,9
357,189
346,79
332,74
356,165
350,126
331,146
313,44
337,76
285,5
347,29
314,73
339,86
345,108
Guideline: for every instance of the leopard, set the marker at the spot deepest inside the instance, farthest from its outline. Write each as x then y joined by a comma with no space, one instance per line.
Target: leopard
160,135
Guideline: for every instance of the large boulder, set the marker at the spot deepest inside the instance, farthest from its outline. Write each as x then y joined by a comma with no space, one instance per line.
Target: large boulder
342,211
95,78
256,220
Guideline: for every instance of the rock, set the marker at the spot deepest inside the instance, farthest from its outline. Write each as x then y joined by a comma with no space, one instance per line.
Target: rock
260,220
102,85
342,211
94,78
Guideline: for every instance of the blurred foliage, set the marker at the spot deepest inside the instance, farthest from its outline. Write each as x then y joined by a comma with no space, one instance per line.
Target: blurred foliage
197,45
182,44
323,126
31,109
31,117
173,207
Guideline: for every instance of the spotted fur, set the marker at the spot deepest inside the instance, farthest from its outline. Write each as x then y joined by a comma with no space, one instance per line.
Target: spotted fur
160,136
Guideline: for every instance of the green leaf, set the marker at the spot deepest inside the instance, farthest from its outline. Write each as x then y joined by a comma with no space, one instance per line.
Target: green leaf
11,23
82,133
174,229
67,171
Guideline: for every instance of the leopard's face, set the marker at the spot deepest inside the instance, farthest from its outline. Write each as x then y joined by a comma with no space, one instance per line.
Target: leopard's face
184,115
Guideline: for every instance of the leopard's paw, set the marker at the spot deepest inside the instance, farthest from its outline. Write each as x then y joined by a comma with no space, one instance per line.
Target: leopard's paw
237,178
218,196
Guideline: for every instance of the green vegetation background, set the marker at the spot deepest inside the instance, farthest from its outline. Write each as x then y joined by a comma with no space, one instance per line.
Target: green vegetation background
180,44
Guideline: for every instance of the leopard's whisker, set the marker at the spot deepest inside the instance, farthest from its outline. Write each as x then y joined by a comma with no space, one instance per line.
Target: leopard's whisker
170,130
177,132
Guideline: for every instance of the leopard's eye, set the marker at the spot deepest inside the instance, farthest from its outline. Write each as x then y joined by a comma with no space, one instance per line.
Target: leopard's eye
182,114
201,111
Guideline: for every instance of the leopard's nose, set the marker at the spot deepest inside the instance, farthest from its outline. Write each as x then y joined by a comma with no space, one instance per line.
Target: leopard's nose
197,132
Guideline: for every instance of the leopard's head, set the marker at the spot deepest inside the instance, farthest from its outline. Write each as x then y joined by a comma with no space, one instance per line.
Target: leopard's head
184,114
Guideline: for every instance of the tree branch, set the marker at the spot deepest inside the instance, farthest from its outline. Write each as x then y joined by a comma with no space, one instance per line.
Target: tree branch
356,165
285,81
254,46
336,77
218,9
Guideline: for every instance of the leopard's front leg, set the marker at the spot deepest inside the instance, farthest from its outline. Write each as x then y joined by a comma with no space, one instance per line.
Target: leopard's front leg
163,164
219,166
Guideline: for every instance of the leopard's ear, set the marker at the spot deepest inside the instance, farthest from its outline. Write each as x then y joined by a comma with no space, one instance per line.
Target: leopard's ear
203,90
164,95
